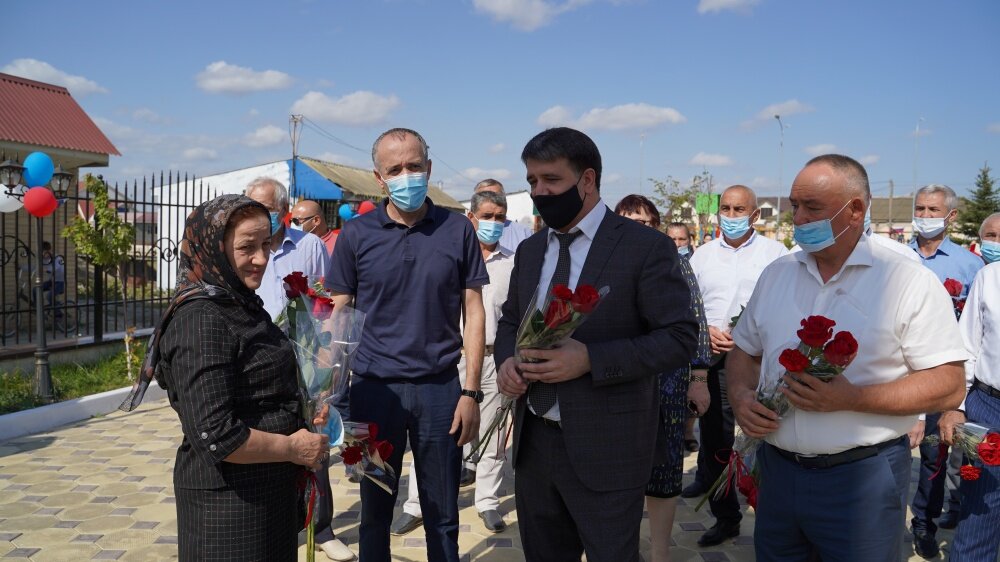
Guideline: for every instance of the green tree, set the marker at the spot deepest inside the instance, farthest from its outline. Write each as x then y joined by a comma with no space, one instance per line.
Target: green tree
984,202
108,245
670,197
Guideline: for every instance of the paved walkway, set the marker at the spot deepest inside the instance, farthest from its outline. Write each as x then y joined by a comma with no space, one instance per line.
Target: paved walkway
101,490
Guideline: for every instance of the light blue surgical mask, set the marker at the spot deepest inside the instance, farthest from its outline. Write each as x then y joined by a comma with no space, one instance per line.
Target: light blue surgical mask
868,218
818,235
408,191
684,250
275,222
990,251
489,232
734,227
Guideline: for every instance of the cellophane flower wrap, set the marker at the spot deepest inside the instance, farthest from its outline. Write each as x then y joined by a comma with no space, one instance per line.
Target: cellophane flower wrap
543,327
324,338
821,354
365,455
980,444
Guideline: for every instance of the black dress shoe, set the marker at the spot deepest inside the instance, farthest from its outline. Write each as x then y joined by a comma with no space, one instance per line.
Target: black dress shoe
492,520
468,478
925,544
694,490
719,532
405,523
948,520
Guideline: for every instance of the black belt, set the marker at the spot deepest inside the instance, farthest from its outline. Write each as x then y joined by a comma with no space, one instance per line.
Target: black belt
836,459
551,423
980,385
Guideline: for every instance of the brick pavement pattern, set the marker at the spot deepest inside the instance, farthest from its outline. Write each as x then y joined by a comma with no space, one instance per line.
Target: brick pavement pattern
101,490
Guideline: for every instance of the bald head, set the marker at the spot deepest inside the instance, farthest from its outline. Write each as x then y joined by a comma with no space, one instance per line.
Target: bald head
990,229
309,215
740,193
853,174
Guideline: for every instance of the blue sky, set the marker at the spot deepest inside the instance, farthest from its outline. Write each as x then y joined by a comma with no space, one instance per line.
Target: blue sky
664,87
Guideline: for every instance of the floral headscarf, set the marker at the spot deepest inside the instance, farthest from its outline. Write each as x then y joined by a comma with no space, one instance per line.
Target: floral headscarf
203,272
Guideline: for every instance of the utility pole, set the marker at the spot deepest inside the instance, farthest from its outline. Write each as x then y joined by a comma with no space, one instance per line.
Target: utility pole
916,146
294,126
781,172
891,186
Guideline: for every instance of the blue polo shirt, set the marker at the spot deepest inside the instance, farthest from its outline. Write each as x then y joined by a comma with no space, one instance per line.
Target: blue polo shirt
409,283
951,261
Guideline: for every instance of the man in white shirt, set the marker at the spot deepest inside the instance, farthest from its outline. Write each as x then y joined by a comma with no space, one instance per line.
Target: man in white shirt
513,232
834,469
727,269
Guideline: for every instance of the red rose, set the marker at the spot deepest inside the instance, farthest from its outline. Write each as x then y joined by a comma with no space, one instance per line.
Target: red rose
841,349
953,286
296,284
562,292
559,313
585,299
793,360
352,455
322,307
384,450
748,487
816,330
969,472
960,305
989,449
372,430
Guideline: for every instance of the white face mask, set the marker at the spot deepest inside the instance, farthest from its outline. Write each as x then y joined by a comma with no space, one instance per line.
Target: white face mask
929,227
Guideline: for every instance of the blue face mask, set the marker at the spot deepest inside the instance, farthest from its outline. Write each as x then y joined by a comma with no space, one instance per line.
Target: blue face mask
275,223
734,227
489,232
408,191
868,218
684,250
818,235
990,251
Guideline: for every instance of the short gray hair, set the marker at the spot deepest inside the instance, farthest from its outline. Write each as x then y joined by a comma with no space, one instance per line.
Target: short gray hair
280,191
950,199
488,182
753,194
487,197
401,133
987,220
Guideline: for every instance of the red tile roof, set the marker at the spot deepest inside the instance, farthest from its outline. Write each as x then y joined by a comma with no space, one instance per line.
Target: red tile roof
46,115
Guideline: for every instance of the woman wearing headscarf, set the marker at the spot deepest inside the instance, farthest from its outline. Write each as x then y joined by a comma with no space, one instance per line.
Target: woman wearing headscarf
230,374
679,393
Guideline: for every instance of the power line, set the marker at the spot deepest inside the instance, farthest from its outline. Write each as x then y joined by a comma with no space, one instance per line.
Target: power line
447,165
312,125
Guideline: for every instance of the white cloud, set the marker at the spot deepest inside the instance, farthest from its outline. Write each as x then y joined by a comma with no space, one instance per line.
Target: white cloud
221,77
607,179
253,112
920,132
706,159
269,135
869,160
993,127
199,153
784,109
358,108
526,15
709,6
479,174
41,71
817,149
498,147
763,185
635,116
149,116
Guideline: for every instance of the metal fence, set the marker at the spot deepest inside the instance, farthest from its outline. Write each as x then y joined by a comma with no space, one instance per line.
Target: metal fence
83,302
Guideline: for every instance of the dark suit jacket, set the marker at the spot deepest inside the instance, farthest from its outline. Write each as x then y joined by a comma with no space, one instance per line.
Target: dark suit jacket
643,327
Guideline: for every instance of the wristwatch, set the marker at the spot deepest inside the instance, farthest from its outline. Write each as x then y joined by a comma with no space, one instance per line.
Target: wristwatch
476,395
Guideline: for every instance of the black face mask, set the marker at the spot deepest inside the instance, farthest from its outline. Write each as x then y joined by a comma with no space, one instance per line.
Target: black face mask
559,210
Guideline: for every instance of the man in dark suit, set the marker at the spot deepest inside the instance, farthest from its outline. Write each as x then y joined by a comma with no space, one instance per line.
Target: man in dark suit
585,429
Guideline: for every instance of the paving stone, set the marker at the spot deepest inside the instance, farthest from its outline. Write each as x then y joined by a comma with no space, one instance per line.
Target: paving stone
87,538
22,553
49,511
108,555
166,540
9,536
145,524
68,524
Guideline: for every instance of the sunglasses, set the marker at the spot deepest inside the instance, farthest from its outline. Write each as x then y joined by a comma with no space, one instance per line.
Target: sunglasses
298,222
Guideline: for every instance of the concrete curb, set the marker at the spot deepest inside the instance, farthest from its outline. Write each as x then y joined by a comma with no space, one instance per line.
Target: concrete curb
45,418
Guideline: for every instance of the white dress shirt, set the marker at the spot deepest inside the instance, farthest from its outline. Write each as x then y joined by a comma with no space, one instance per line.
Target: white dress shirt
727,275
980,327
578,251
499,265
898,311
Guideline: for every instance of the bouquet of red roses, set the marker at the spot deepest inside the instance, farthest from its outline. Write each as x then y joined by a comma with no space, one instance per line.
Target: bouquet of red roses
979,443
820,354
954,288
366,456
565,310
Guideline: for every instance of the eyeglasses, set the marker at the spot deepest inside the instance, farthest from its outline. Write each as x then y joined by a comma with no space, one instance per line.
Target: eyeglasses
298,222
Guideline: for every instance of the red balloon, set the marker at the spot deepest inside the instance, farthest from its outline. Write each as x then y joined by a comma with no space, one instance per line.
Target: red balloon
40,202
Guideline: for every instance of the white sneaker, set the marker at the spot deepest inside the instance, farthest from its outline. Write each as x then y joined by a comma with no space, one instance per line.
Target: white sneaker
336,550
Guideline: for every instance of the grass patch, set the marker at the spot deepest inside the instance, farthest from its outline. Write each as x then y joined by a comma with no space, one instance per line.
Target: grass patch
68,381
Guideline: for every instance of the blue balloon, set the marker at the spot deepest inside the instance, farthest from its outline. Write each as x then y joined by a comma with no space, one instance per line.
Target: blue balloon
37,170
345,212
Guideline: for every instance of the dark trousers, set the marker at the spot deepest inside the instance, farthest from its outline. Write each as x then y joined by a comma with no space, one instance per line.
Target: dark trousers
717,431
421,410
976,537
558,517
929,497
853,512
324,505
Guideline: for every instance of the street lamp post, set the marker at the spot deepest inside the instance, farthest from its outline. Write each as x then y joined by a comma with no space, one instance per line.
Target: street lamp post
781,170
11,174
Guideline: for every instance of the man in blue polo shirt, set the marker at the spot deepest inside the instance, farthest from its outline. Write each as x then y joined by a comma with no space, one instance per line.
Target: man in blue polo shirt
935,207
414,269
